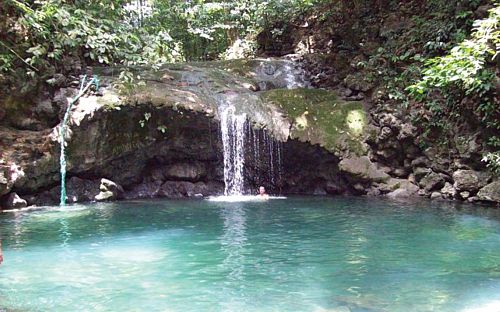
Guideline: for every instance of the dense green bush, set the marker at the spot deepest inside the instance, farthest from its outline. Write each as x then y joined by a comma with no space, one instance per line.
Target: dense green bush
461,87
43,37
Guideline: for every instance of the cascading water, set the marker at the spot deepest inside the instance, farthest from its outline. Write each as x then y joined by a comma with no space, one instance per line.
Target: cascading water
233,140
62,133
239,137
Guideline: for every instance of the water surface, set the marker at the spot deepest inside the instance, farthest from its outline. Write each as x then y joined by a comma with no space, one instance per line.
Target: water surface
296,254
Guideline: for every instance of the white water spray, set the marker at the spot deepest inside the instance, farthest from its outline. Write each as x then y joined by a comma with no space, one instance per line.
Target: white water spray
233,140
239,136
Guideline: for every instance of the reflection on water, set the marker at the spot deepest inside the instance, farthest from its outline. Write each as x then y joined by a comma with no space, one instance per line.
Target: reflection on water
233,242
298,254
64,233
242,198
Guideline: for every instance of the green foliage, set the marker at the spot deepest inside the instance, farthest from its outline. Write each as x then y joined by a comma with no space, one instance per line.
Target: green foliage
128,81
162,129
492,161
142,122
464,66
51,36
460,86
45,37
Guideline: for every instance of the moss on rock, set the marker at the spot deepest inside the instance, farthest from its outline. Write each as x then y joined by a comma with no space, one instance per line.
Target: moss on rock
318,116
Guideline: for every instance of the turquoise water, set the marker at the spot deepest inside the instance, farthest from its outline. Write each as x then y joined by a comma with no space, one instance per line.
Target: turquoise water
298,254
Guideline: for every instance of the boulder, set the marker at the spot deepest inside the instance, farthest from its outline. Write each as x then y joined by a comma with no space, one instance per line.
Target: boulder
400,193
374,192
490,192
470,180
144,190
186,171
13,201
448,190
407,131
472,199
109,191
108,185
393,184
421,161
436,195
105,196
6,182
362,169
432,181
465,194
181,189
420,173
440,160
400,172
359,188
400,188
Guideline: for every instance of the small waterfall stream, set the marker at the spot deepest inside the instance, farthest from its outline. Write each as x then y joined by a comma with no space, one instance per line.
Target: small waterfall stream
233,128
62,132
242,143
252,154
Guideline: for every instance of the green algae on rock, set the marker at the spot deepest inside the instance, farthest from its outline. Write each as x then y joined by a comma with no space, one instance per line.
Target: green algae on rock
319,117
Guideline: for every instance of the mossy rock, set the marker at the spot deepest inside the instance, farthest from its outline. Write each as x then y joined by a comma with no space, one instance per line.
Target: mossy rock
319,117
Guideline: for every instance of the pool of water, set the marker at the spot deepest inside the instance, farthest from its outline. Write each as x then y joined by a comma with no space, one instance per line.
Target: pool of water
295,254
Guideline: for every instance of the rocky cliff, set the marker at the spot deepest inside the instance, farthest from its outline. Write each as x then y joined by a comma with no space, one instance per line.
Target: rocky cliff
158,135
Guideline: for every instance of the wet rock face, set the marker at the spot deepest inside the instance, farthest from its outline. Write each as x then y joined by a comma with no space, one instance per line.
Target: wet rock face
362,169
13,201
490,193
120,145
432,181
194,171
309,169
109,190
77,190
5,180
470,180
163,140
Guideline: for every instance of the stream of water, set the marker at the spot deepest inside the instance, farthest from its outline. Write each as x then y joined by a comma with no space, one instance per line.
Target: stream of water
62,133
239,137
233,128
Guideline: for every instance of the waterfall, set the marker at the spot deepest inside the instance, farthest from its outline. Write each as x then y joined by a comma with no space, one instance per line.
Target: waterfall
62,133
241,141
233,140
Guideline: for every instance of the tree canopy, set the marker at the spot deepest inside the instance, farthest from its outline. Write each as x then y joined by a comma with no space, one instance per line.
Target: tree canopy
41,37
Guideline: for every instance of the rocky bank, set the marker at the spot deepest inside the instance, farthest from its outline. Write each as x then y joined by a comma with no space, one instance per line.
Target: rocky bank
158,135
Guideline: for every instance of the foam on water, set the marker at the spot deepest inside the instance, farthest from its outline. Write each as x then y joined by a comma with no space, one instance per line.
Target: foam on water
241,198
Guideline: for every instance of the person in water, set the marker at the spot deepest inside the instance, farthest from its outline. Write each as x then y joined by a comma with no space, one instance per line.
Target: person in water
1,255
262,193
